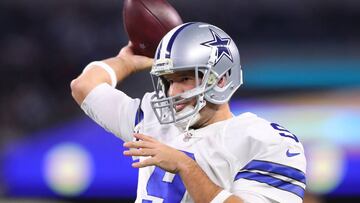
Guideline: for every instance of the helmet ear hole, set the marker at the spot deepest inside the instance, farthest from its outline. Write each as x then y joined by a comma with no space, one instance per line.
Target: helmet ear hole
223,80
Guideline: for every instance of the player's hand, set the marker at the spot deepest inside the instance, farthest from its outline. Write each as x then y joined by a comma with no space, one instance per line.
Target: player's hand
136,62
161,155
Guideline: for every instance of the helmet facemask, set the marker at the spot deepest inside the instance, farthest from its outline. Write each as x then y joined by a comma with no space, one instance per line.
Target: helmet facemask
165,106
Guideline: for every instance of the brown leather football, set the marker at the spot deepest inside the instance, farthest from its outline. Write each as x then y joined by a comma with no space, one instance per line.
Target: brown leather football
147,21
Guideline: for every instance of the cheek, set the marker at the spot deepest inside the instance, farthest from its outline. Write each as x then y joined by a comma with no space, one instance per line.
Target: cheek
178,88
187,88
170,91
190,85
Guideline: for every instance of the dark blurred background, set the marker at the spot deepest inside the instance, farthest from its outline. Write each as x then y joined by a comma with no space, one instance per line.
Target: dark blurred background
301,62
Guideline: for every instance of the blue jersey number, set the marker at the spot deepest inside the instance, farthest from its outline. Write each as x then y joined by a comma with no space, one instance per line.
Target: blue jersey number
170,190
284,132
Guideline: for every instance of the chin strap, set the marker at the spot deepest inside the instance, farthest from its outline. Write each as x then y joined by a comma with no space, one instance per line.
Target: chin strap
186,123
193,119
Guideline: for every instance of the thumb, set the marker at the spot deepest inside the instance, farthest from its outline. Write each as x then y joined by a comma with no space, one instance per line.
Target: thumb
127,50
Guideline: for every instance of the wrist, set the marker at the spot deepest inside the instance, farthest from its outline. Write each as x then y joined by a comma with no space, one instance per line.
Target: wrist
185,165
121,66
128,65
221,196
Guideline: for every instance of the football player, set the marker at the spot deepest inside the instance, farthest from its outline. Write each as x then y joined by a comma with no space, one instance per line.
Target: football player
190,147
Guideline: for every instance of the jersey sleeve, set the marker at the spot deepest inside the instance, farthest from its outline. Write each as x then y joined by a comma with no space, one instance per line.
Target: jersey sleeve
276,165
113,110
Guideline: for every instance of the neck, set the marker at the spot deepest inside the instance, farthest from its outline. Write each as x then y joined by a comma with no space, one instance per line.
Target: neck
213,113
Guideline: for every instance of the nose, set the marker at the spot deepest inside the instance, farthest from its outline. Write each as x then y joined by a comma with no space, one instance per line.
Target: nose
175,88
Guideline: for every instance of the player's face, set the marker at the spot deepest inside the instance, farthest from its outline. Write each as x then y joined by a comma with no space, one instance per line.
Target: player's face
180,82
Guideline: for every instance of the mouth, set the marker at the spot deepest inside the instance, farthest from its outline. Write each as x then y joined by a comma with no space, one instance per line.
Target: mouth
179,107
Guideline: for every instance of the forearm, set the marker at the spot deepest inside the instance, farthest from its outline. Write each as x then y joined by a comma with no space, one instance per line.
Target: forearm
87,80
199,185
124,64
121,66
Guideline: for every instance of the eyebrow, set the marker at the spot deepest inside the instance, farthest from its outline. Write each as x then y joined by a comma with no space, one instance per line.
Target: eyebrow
179,74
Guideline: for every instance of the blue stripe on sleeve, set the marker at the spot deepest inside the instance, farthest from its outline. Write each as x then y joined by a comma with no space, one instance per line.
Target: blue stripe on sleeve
276,168
277,183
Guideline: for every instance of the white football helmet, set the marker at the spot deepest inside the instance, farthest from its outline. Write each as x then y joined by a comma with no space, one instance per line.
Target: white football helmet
207,50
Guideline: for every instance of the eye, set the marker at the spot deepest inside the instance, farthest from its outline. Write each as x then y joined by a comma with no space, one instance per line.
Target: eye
184,79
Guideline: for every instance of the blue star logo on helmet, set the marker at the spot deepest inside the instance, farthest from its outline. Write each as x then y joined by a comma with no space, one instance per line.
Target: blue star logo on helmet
221,45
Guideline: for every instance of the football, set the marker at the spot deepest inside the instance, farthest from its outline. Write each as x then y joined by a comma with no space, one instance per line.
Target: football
146,22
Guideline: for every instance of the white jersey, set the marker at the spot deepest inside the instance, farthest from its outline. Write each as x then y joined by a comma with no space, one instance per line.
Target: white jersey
244,154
